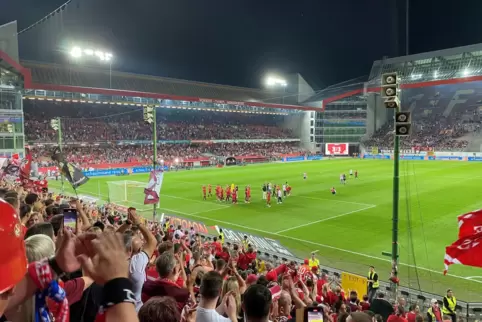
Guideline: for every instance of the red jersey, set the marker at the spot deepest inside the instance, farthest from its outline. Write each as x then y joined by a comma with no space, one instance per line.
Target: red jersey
217,247
228,191
204,190
248,191
268,197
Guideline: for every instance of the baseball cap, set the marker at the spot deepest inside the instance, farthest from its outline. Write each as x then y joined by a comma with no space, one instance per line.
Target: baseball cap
434,301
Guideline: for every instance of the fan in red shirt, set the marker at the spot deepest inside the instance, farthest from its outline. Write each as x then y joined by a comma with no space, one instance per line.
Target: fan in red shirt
271,274
335,296
246,258
224,254
204,192
216,245
365,305
398,316
412,314
320,282
304,271
354,302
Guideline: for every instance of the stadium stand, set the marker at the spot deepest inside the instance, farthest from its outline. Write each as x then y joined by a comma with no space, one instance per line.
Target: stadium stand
179,262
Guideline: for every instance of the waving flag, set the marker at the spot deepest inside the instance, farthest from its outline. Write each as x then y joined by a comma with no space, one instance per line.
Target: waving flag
153,189
72,173
470,223
465,251
25,167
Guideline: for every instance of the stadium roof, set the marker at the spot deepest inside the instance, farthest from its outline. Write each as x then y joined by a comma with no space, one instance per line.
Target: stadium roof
100,81
447,66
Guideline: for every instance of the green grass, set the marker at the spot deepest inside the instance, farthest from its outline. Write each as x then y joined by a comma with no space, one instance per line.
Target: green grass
353,228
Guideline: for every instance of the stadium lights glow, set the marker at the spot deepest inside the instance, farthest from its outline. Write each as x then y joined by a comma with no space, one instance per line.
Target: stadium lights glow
78,52
435,74
466,72
274,81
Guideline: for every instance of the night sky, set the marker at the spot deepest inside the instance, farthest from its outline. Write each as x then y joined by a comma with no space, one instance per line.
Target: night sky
237,42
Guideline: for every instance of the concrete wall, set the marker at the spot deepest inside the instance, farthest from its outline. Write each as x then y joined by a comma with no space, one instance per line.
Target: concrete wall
300,125
377,114
8,40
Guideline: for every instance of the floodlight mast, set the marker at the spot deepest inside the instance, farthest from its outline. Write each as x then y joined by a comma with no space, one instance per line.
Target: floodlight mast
276,82
103,56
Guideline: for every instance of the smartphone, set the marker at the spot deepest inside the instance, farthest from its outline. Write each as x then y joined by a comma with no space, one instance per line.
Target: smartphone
313,314
70,218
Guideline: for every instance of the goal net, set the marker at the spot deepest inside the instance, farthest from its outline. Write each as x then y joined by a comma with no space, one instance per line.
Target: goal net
129,194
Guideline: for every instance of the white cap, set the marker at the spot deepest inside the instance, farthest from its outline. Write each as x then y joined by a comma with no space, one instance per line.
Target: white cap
433,301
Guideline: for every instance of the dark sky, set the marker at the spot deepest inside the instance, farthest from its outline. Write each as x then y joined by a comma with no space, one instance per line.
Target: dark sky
237,42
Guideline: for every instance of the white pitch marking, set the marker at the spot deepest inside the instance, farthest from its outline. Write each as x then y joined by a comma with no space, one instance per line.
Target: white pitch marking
324,219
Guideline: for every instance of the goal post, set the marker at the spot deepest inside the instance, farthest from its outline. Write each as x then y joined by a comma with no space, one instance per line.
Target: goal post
127,193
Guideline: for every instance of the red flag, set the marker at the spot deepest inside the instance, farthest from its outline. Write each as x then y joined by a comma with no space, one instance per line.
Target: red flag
470,223
25,167
465,251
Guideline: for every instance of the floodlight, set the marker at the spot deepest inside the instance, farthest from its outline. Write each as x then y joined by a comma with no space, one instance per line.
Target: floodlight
89,52
466,72
275,81
76,52
435,74
176,160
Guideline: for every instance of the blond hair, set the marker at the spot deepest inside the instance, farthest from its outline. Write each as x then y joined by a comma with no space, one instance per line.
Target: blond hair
37,247
231,285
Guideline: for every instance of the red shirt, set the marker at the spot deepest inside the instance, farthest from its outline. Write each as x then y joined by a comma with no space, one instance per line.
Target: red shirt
223,255
365,306
395,318
319,286
411,316
272,275
217,247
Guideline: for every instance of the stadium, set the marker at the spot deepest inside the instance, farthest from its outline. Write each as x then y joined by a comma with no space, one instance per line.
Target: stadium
289,134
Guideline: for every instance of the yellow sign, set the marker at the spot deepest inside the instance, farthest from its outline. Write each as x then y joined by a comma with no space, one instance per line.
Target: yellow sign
352,282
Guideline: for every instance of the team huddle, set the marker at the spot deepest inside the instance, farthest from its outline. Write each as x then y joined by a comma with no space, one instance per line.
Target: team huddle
228,194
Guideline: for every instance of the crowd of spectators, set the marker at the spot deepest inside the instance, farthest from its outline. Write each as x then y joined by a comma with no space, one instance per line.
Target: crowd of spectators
119,267
433,131
84,123
86,156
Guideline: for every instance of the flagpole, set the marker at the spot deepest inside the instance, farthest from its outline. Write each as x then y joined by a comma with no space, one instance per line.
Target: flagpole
59,141
154,157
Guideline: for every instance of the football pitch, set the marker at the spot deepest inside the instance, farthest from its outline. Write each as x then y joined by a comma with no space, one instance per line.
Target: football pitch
349,230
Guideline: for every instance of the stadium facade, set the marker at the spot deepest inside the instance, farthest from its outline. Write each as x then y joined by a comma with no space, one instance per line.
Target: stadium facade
445,82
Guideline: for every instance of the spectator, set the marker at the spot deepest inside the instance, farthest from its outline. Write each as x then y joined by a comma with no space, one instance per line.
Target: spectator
159,309
413,312
42,228
381,306
167,285
257,303
210,291
139,255
398,315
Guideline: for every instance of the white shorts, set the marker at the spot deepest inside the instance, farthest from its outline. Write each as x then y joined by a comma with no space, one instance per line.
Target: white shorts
264,195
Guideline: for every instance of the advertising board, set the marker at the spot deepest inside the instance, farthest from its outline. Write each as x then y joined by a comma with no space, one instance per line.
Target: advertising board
336,149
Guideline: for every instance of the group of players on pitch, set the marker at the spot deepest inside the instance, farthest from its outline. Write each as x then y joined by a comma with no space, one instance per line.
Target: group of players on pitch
273,190
228,194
